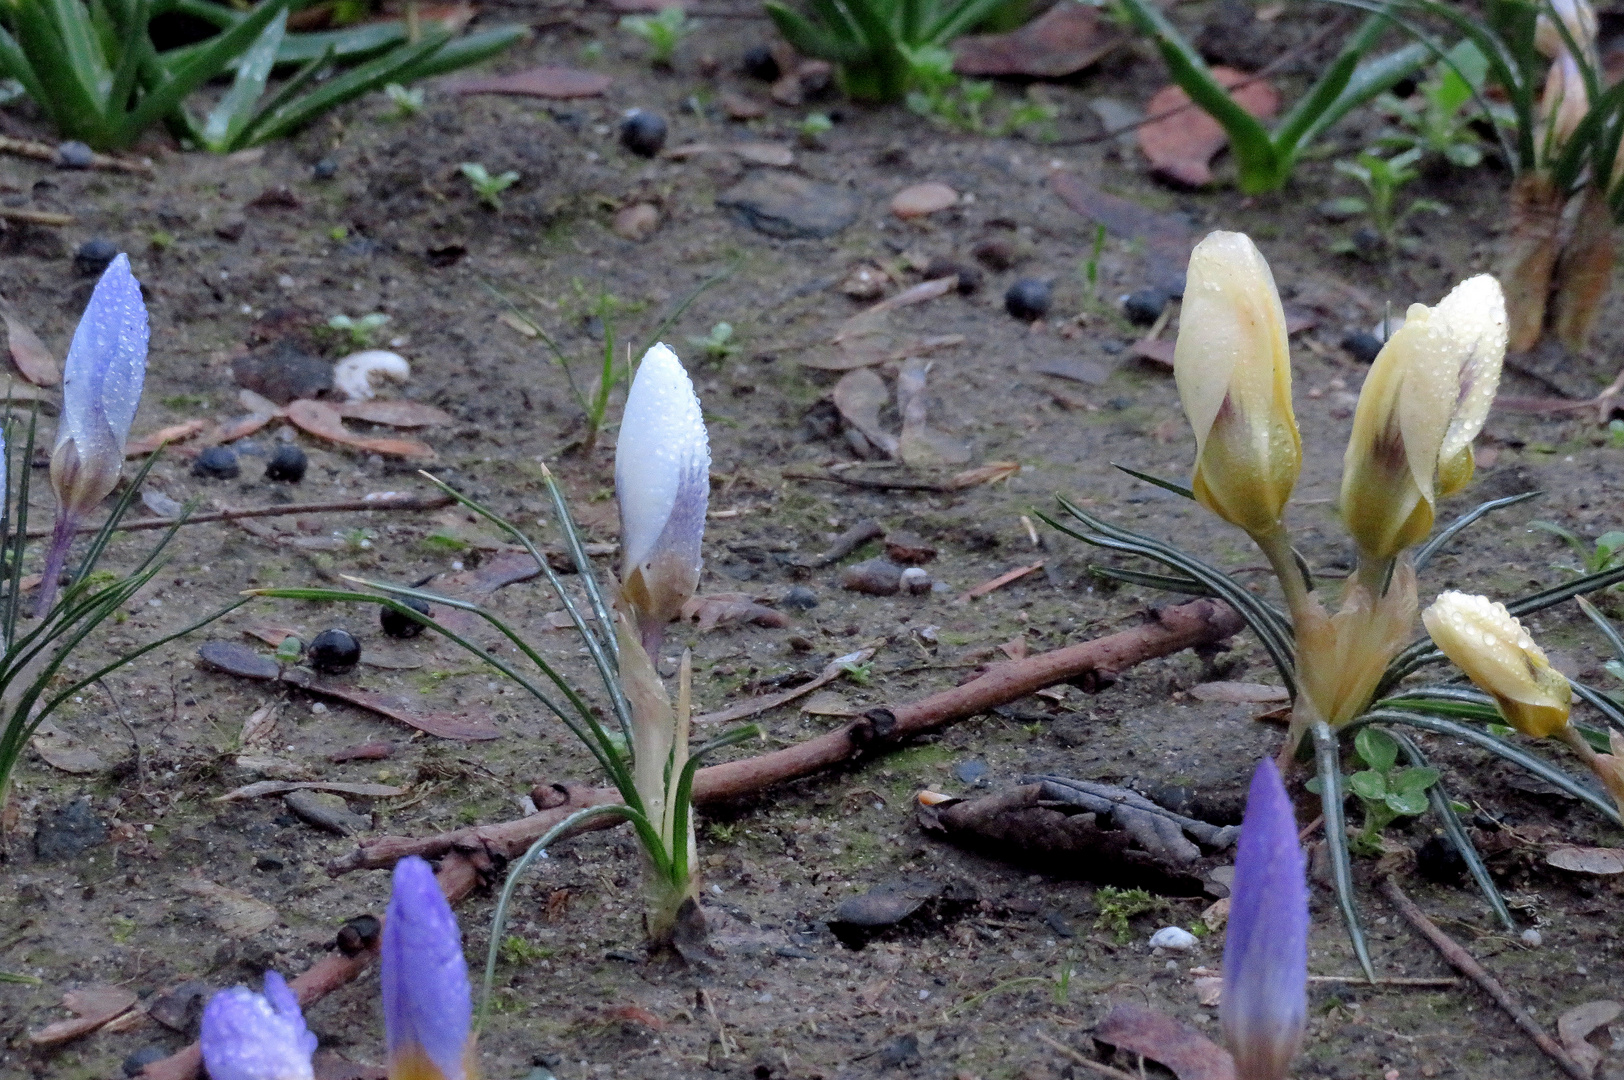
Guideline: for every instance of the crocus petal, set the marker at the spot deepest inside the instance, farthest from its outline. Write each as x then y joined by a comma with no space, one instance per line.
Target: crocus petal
427,1008
1498,655
249,1036
662,479
1265,999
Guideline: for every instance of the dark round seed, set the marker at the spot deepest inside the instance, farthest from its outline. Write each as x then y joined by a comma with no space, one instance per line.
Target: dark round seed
403,626
92,256
74,155
1144,306
287,465
1363,345
1028,299
799,598
217,463
325,169
334,652
643,132
760,63
1440,862
358,934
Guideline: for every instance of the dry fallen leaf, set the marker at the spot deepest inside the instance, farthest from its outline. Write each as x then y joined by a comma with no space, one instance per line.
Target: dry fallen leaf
1062,41
401,414
1588,860
829,703
730,609
1183,1049
1238,693
1181,144
62,751
324,421
1217,916
261,788
174,433
28,352
860,395
990,473
1575,1026
258,728
236,914
919,200
93,1006
1209,990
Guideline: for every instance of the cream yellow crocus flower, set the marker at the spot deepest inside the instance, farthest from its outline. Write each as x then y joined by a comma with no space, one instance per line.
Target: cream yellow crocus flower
1234,379
1424,401
1488,643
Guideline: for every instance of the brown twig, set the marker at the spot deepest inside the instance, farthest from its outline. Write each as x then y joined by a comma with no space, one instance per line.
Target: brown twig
406,502
1462,961
34,217
42,151
1087,1063
1174,629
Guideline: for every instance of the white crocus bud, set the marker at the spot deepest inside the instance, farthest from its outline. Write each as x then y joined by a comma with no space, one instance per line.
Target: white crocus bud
662,479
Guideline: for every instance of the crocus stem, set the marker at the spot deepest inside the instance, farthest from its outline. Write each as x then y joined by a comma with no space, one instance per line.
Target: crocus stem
1374,575
55,559
1276,546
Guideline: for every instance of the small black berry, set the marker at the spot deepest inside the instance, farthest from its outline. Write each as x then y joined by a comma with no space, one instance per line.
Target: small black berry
334,652
1363,345
217,463
643,132
92,256
760,63
1144,306
287,465
1028,299
403,626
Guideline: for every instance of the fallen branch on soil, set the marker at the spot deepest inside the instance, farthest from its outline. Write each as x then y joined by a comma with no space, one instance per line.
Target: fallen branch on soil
1087,1063
401,502
464,851
1462,961
43,151
1174,629
34,217
1610,398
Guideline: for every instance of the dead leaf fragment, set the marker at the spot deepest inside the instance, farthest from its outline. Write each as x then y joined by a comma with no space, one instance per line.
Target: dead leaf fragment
730,609
282,787
1182,144
1588,860
544,82
1238,693
174,433
829,703
94,1006
1183,1049
1575,1026
1063,41
920,200
401,414
62,751
324,421
236,914
1209,990
990,473
860,395
28,352
258,728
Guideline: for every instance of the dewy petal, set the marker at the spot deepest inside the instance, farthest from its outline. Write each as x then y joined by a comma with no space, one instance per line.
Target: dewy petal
1265,999
661,447
106,365
1484,640
1476,313
427,1007
248,1036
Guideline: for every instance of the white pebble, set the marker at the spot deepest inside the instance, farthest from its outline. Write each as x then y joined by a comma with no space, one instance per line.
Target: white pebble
1172,937
318,708
1530,937
354,374
915,580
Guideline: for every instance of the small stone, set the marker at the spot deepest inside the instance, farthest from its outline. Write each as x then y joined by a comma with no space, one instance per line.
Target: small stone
1439,861
816,76
92,256
643,132
268,863
69,832
970,772
787,91
799,598
915,581
919,200
1532,938
995,253
1144,306
941,266
865,282
217,463
1028,299
1362,346
334,652
327,811
876,577
636,222
283,371
74,155
901,1052
397,625
760,63
358,934
790,207
181,1009
1175,938
325,169
138,1061
232,228
287,465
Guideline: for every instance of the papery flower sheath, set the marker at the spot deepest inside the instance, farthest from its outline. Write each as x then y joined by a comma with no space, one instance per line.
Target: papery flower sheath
1265,998
427,1006
1484,640
1233,370
662,480
249,1036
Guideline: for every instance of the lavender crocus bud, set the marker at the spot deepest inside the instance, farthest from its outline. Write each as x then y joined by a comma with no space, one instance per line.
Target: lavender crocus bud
101,385
662,479
249,1036
1265,999
427,1008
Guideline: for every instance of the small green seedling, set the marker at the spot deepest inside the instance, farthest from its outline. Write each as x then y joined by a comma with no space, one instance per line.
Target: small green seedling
663,32
408,103
1117,906
1436,118
1091,268
290,651
861,674
813,128
362,332
964,104
1381,178
719,344
486,186
1605,553
1386,792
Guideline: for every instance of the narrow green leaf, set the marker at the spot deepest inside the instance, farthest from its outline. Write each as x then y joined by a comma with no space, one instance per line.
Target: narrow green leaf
1336,841
1165,485
1436,544
236,108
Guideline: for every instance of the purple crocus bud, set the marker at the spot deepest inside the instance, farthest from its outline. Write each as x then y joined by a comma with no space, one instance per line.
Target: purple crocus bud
1265,999
101,385
249,1036
427,1009
662,479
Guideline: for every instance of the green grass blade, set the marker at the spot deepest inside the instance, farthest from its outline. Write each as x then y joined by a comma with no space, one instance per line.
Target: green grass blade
199,68
236,109
1580,586
682,306
1370,79
1471,517
583,565
1327,760
1612,710
812,40
14,64
683,796
74,107
1174,583
1165,485
1608,630
460,52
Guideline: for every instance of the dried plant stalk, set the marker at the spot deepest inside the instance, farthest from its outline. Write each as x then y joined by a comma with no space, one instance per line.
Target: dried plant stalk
1584,273
1529,257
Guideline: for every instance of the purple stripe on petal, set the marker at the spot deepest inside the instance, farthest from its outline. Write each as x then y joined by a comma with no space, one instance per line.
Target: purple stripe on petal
1265,999
249,1036
427,1008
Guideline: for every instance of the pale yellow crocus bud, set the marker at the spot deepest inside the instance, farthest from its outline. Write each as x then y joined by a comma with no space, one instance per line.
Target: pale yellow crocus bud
1562,106
1234,378
1424,401
1490,645
1579,18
